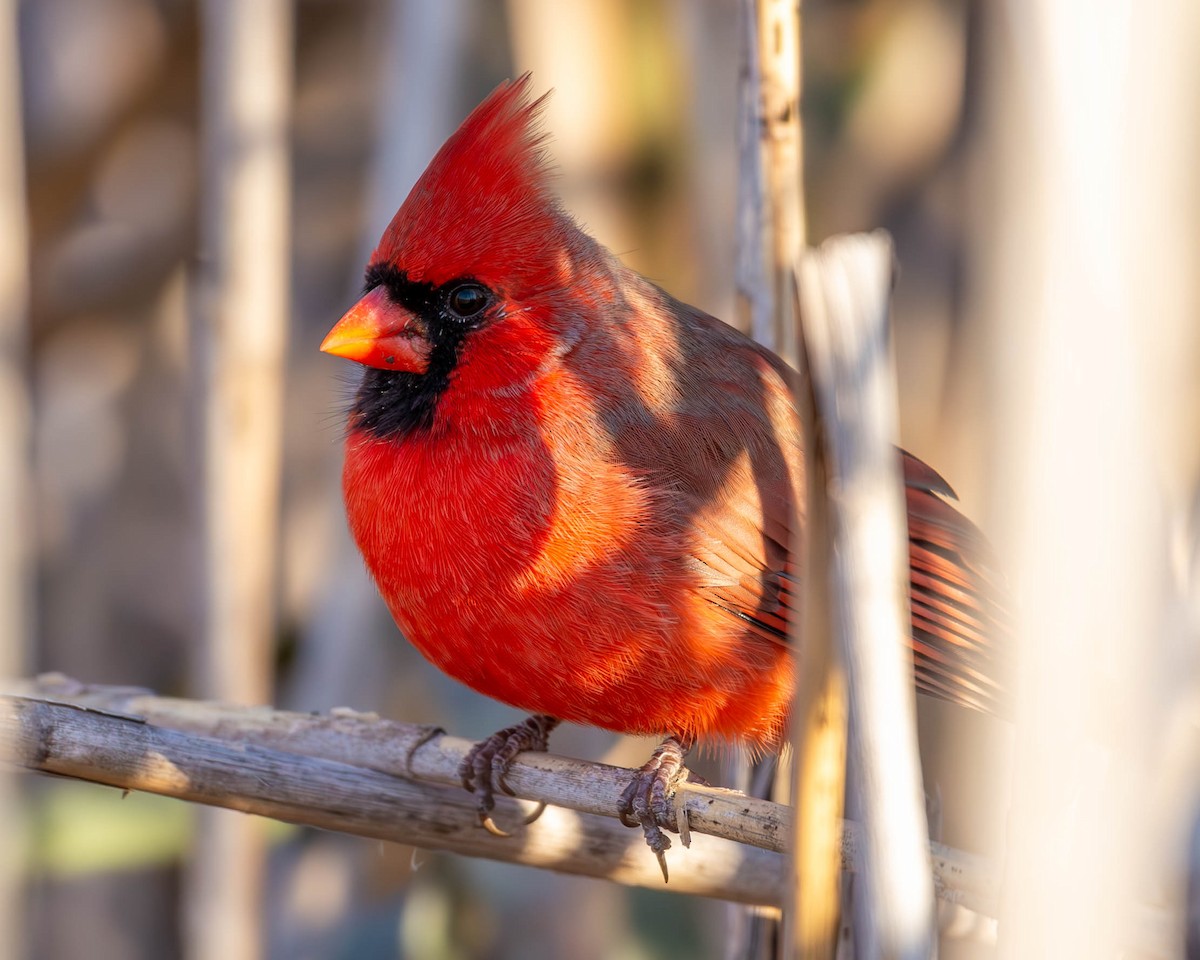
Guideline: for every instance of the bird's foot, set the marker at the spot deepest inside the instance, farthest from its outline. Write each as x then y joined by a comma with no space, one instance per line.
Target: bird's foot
646,802
485,767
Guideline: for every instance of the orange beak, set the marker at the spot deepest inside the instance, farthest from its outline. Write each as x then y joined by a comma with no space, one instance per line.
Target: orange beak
378,333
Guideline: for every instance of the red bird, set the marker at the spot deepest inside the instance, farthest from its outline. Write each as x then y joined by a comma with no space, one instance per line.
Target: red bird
574,491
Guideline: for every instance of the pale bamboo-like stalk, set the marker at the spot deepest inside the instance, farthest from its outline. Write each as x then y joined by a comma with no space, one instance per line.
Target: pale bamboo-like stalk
780,132
1090,292
240,340
754,315
15,534
754,304
844,291
819,719
771,234
770,209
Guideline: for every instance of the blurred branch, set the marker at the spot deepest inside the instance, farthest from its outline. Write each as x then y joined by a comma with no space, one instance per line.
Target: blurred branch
16,568
843,291
1094,372
351,772
16,572
241,336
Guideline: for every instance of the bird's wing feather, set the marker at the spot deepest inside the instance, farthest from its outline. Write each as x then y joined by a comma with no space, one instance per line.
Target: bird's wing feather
732,463
959,627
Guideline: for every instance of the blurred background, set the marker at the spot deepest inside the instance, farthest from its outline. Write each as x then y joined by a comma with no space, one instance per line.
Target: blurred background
118,116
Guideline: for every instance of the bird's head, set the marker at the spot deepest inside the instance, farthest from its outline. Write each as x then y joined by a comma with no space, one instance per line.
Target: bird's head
472,269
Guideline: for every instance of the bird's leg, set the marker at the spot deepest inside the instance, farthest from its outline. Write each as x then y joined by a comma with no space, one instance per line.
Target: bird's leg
486,765
645,802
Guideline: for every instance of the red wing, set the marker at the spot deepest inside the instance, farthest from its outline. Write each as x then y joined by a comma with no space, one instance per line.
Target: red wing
728,456
960,632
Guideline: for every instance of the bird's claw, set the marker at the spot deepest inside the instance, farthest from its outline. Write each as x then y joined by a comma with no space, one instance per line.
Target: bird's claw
626,818
485,767
646,802
662,865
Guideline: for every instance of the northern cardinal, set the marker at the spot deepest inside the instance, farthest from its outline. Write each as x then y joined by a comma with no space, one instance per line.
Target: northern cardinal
573,491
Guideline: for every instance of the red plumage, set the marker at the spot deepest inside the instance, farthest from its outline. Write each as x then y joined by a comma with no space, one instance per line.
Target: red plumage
574,492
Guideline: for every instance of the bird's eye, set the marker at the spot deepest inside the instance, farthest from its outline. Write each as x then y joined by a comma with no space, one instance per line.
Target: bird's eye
466,300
